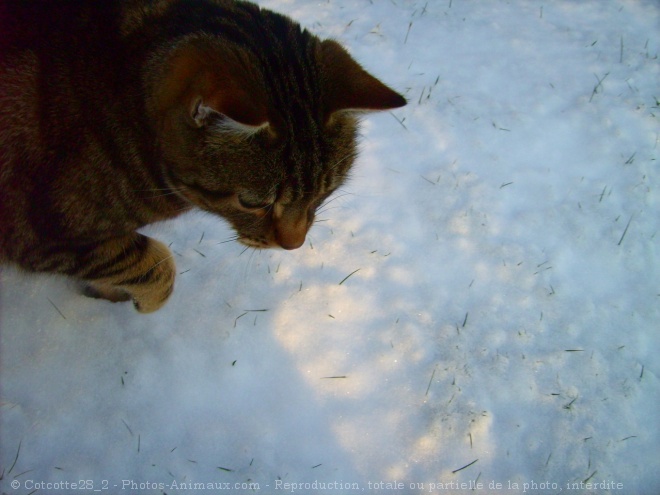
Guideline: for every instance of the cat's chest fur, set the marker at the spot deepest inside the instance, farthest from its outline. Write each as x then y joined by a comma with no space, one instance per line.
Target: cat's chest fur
116,115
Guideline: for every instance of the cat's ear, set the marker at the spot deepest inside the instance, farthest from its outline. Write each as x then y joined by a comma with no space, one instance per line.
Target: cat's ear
242,123
349,87
223,98
228,112
213,83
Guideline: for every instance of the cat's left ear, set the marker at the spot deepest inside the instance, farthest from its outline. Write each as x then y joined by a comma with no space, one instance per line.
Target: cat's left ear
231,112
227,93
213,83
349,87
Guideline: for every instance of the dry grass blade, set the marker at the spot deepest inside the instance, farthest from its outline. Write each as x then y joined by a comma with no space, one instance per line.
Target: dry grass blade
349,275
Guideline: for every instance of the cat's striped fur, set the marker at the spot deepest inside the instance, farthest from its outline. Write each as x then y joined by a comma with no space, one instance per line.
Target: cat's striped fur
114,115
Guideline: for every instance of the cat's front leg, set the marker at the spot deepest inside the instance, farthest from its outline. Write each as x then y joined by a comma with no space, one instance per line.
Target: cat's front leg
133,267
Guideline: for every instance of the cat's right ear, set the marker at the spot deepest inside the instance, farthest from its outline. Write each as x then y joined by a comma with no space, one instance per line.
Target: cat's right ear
348,87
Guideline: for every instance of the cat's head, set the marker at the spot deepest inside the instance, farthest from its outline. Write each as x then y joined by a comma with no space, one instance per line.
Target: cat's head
261,137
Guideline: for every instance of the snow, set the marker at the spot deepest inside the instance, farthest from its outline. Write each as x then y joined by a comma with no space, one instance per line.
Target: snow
505,309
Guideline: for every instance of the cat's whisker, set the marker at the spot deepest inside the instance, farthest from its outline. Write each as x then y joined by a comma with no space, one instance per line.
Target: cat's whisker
259,219
233,238
266,208
352,154
163,261
272,190
335,198
325,210
324,207
170,193
249,262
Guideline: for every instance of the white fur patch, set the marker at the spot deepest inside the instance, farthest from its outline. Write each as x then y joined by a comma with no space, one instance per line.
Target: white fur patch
231,126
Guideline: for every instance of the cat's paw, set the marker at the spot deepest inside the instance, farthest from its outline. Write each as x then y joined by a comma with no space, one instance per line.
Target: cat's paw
141,269
157,282
152,302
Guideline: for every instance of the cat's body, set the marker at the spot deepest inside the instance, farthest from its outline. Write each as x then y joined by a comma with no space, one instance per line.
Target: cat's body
114,115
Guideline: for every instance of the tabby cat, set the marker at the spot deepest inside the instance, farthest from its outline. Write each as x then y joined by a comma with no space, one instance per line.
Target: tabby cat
117,114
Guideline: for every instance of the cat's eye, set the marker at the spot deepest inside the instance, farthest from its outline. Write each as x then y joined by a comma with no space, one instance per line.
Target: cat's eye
253,202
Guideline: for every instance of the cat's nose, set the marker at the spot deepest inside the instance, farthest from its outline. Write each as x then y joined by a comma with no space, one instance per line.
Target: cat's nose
291,246
290,233
289,241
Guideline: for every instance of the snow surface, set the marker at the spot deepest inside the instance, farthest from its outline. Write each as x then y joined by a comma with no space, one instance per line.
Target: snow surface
505,315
